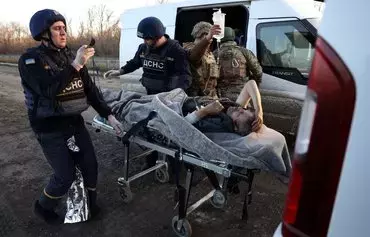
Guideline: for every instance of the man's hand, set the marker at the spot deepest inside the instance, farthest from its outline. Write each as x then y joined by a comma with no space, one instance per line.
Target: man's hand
117,126
112,73
215,30
258,122
84,53
213,108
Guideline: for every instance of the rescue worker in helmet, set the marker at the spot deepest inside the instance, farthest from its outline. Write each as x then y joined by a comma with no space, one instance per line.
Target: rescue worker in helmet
203,64
164,61
237,66
57,89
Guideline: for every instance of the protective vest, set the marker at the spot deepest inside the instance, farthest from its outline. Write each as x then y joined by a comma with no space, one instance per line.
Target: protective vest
156,66
233,71
232,63
70,101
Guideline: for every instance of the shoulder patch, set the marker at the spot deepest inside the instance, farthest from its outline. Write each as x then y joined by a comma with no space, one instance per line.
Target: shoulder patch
29,61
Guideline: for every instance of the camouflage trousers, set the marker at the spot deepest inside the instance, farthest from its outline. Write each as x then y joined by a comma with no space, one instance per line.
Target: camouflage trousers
231,87
211,93
230,91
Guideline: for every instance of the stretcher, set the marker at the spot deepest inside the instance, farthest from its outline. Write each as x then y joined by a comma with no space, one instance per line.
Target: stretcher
218,172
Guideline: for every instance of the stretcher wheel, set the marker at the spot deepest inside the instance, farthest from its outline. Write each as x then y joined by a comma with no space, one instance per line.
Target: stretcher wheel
218,199
185,229
125,193
162,175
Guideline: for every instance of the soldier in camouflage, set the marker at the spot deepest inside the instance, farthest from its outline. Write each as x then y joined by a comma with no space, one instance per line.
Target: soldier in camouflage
237,66
203,64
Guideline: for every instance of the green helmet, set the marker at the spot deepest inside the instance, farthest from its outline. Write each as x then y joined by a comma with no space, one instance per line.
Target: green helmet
201,28
229,34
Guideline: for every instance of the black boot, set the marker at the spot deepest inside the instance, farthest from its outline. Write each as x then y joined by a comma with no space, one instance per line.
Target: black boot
48,215
94,208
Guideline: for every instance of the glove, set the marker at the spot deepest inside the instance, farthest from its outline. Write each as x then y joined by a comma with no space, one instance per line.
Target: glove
113,73
82,56
117,126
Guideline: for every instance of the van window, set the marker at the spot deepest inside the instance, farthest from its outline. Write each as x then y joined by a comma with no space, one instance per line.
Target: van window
285,49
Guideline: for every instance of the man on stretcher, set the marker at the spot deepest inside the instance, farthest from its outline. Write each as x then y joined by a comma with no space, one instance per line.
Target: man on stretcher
231,131
224,115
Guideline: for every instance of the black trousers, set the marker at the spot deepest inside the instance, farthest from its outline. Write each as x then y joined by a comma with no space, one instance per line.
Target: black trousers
63,161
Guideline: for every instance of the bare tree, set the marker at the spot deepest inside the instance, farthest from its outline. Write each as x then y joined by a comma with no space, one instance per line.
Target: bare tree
90,21
100,24
69,26
104,19
17,31
14,38
81,30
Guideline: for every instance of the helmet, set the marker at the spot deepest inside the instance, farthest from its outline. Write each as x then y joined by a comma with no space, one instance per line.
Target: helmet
150,27
201,28
229,34
42,20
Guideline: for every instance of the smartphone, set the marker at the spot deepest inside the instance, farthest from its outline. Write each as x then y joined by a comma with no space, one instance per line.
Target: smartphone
92,43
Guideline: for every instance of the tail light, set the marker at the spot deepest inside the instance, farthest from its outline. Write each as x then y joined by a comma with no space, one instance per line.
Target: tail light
305,123
320,147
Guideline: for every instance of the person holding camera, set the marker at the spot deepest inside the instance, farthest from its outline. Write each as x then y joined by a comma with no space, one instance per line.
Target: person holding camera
57,89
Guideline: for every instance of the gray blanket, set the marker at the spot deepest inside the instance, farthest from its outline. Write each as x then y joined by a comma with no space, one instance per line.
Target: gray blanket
265,150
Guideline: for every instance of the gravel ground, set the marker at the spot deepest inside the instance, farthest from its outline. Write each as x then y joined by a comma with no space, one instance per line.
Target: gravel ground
24,172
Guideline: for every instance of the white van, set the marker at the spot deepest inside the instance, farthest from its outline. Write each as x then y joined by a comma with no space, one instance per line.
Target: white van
329,190
281,33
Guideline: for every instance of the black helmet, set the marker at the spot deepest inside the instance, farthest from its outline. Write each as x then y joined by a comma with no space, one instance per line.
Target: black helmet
150,28
42,20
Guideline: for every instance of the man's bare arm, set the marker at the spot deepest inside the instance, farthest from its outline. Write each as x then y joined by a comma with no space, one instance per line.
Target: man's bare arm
211,109
250,91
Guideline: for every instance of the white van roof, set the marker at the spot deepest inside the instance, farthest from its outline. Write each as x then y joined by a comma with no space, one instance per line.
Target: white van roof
258,9
284,8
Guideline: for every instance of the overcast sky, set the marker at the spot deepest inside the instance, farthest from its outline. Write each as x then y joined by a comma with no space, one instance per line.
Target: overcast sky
22,10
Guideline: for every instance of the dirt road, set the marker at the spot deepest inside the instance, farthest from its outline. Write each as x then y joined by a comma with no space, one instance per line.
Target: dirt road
24,172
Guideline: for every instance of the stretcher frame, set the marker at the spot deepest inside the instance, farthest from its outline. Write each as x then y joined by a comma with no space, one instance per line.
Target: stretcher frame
217,197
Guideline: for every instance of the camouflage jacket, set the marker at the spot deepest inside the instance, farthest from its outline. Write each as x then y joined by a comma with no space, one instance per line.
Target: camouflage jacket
237,66
204,69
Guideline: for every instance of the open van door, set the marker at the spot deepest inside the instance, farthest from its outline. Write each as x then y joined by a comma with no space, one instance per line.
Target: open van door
237,16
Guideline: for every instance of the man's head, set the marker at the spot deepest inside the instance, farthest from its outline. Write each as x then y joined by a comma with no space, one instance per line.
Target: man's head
242,119
151,30
238,32
50,26
200,30
229,35
58,34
